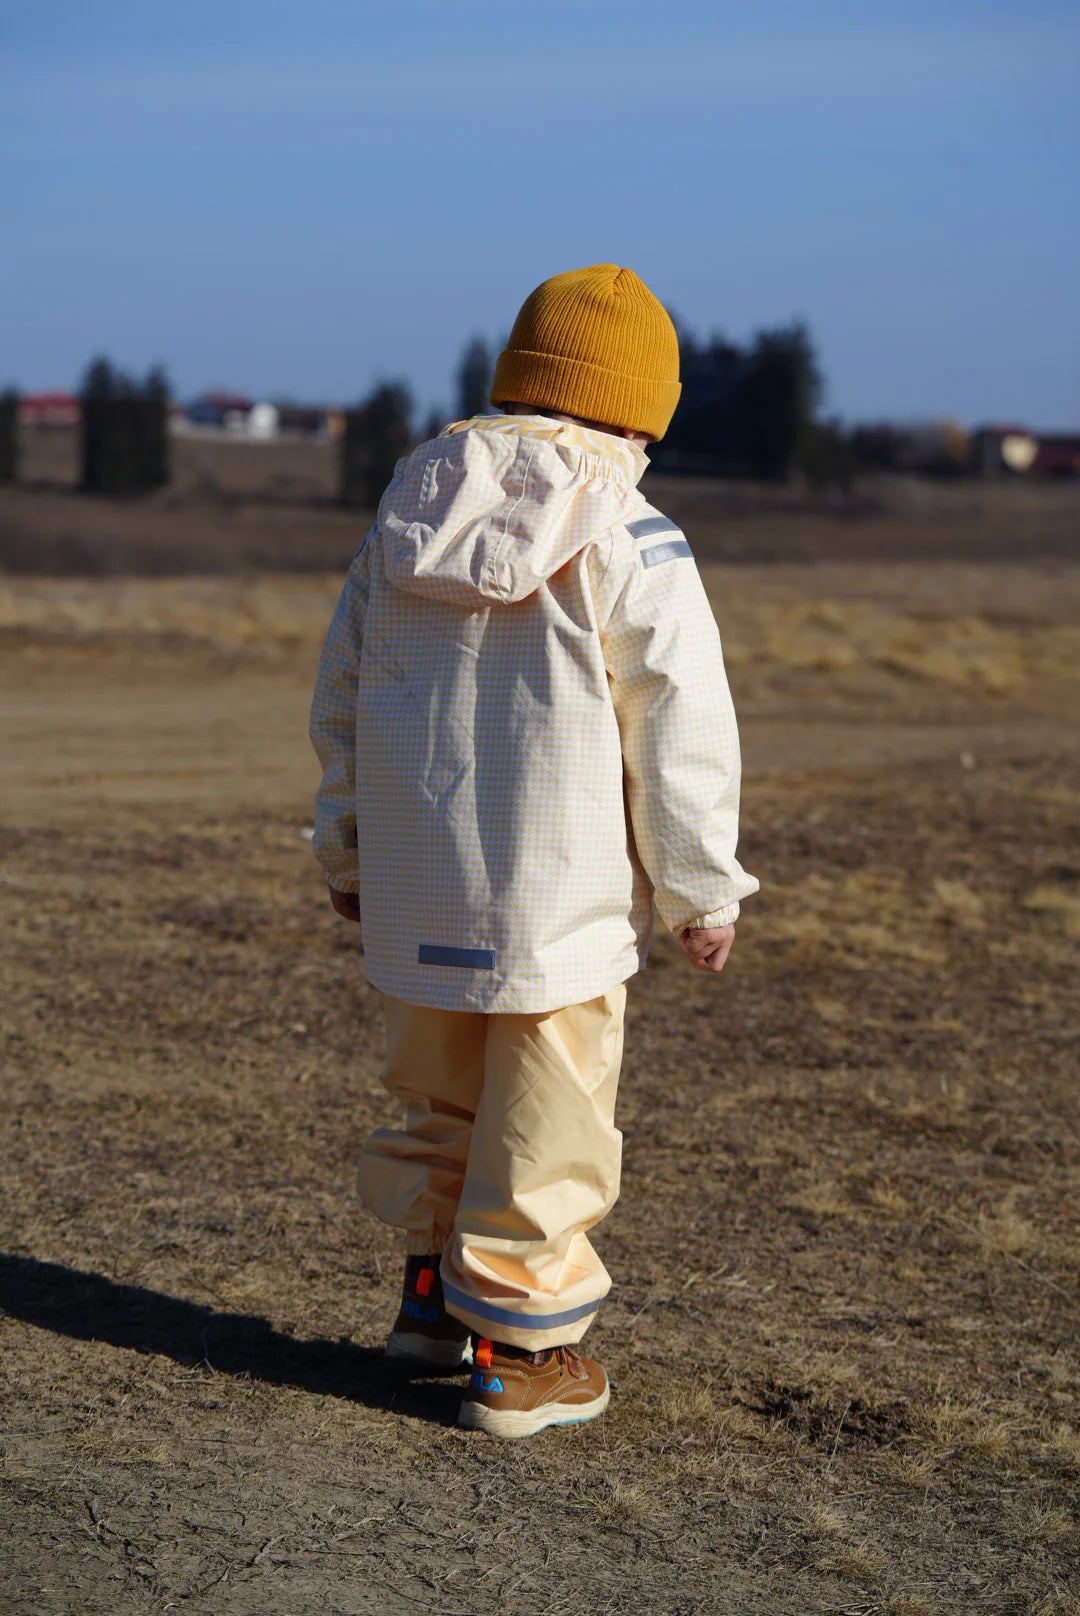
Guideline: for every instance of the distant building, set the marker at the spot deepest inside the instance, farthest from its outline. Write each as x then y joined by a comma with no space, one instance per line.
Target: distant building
260,421
940,447
310,420
1012,450
49,409
1058,454
212,409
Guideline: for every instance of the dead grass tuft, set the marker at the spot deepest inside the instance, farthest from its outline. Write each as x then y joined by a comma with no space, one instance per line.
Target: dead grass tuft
698,1411
907,1605
956,902
958,1428
1059,1602
990,1441
119,1447
885,1198
1007,1234
824,1200
687,1406
855,1562
1047,899
1062,1441
613,1501
911,1469
824,1520
1046,1523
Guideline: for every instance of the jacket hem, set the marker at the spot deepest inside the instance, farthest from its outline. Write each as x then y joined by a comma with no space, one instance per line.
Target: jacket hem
505,1000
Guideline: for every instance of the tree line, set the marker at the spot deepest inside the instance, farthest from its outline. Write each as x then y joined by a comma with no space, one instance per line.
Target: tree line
744,412
749,411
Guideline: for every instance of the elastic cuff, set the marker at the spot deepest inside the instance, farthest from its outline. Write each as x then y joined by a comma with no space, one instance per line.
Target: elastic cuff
562,1327
727,916
524,1336
345,885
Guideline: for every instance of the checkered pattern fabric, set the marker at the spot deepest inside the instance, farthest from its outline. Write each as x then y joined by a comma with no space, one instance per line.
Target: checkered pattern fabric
524,724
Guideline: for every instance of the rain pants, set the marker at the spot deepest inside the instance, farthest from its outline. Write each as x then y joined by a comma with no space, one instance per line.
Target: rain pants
508,1154
527,741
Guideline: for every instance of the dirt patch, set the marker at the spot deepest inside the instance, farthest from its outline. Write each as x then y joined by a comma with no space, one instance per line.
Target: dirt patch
800,1410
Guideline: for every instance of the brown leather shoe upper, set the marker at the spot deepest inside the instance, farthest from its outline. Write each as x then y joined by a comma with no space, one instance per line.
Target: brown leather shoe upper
507,1377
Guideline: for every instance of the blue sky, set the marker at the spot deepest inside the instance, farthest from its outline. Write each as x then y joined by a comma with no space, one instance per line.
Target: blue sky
301,198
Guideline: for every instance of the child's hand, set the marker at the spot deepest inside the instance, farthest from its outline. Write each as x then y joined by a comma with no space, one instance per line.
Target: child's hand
346,904
708,947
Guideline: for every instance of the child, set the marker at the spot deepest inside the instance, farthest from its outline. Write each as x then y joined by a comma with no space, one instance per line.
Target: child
526,732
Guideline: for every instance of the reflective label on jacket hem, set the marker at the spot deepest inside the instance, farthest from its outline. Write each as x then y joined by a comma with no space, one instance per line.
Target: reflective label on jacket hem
471,959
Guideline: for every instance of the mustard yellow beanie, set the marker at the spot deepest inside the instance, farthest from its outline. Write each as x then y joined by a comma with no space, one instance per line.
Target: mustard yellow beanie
594,342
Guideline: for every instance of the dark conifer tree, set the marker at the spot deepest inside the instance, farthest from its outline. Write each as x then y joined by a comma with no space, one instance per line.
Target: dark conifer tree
377,433
9,435
125,430
777,399
474,379
743,412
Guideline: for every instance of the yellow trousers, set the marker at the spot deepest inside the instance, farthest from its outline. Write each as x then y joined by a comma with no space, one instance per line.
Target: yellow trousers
508,1154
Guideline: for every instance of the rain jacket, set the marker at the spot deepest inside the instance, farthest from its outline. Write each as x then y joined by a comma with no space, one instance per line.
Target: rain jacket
524,724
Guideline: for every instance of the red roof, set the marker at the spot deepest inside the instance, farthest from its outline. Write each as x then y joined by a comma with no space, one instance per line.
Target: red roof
53,409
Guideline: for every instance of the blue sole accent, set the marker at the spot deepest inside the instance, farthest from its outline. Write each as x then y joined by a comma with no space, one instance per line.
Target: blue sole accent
556,1424
520,1321
585,1418
469,959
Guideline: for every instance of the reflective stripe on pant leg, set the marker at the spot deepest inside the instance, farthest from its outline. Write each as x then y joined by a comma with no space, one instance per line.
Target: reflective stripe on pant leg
412,1176
543,1168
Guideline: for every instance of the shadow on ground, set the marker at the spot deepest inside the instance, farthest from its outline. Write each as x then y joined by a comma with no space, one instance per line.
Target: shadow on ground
90,1307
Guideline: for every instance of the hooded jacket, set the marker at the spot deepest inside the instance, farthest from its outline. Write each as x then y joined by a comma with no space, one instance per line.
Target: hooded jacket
524,724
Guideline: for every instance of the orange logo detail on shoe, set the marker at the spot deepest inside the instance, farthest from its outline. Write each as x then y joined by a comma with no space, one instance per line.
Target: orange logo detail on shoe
424,1280
482,1355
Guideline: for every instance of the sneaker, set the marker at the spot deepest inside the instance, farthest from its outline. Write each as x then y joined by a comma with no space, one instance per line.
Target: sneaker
425,1335
516,1393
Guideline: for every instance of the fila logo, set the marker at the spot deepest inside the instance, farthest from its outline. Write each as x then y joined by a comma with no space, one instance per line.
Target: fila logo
478,1383
423,1315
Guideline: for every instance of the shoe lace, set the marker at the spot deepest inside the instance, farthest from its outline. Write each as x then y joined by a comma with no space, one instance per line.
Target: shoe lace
572,1361
569,1357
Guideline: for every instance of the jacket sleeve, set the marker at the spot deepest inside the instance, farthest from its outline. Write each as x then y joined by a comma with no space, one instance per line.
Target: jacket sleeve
333,729
680,741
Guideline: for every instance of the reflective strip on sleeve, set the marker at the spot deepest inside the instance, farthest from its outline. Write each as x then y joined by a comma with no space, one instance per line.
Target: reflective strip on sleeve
657,554
651,524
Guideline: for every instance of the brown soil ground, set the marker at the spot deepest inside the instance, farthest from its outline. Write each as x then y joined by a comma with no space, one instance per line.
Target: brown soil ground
844,1327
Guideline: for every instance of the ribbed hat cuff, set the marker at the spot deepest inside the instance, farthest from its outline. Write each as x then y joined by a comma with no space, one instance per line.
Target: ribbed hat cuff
575,387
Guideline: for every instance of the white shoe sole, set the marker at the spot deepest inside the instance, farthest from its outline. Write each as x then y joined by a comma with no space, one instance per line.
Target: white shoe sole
513,1422
410,1347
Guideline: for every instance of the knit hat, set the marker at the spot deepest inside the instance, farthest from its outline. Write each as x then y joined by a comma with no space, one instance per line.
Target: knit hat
596,343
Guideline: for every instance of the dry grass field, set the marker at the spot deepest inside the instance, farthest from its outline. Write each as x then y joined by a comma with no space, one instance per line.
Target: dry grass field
844,1333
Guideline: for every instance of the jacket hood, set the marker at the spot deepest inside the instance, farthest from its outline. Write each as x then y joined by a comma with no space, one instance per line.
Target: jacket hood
489,509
